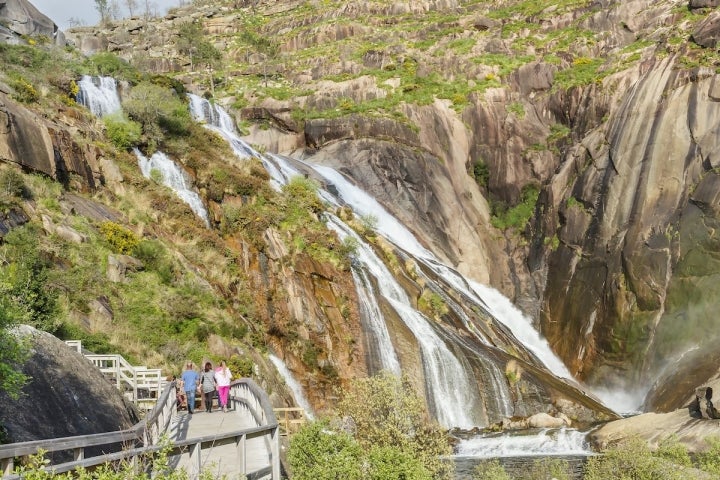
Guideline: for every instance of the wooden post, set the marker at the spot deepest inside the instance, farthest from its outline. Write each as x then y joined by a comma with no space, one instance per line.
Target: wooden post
241,443
275,453
195,460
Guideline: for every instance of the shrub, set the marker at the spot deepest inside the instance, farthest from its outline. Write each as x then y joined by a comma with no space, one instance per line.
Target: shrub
490,470
241,366
122,132
120,238
12,184
386,412
519,215
158,109
24,91
317,453
631,459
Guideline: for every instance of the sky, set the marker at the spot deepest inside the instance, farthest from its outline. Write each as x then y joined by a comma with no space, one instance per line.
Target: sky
61,11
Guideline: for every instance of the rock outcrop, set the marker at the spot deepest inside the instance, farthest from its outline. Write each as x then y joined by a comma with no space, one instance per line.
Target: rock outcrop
20,18
66,395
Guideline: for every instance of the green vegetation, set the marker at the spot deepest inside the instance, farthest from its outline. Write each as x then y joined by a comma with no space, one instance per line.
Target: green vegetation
191,41
516,217
159,110
432,304
391,437
122,132
630,459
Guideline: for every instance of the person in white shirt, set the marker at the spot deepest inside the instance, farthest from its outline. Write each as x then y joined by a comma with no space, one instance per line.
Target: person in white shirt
223,377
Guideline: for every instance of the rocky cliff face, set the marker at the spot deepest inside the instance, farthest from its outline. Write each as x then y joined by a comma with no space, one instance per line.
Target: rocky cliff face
609,111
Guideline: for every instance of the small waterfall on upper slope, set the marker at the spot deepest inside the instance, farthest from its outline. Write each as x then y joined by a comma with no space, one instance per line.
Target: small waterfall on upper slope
293,385
99,95
175,178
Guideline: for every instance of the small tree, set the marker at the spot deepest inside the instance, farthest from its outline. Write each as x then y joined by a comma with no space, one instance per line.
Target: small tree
103,8
131,5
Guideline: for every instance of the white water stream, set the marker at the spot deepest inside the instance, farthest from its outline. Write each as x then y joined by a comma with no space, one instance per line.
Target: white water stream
294,385
99,95
542,443
173,177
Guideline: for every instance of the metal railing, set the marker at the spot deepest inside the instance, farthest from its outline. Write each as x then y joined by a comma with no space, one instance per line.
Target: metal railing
142,438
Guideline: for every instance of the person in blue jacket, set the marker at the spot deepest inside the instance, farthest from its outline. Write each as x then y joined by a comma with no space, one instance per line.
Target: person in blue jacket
191,380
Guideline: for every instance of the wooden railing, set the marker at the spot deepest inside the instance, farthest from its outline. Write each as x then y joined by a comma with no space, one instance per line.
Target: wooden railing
142,438
290,419
141,385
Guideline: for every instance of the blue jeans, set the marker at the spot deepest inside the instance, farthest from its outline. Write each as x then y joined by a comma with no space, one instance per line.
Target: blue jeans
190,400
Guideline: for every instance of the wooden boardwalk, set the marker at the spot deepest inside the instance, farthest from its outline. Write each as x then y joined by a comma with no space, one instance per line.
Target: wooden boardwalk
222,460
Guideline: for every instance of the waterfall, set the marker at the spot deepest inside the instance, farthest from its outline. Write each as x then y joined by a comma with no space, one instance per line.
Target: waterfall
99,94
493,301
543,443
451,390
175,178
294,386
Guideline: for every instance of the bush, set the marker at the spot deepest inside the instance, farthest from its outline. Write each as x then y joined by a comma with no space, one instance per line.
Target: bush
317,453
120,238
12,184
386,412
490,470
630,460
241,366
24,91
122,132
158,109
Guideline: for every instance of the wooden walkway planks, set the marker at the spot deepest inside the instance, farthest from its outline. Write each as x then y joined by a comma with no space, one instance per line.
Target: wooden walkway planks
223,459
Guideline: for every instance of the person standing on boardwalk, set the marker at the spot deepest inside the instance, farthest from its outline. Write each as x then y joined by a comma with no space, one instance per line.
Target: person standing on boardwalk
208,383
223,377
190,382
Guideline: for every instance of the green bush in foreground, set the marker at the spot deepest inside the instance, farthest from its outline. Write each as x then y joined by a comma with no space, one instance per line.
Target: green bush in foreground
389,437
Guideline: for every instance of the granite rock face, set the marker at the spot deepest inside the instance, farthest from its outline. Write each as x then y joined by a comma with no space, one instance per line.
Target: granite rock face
65,396
21,18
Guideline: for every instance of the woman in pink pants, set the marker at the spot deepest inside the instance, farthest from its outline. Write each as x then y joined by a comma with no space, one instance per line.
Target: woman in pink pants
223,377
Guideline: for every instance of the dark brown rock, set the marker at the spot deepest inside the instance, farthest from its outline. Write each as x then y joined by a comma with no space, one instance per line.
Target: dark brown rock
65,396
693,4
707,33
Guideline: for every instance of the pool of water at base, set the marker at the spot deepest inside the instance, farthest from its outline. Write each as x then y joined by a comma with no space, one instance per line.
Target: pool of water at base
517,466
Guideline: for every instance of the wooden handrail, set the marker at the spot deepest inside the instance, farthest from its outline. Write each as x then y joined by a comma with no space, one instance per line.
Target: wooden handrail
144,435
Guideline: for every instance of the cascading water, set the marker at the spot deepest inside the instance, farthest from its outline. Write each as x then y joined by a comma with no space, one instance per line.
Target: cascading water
545,442
498,305
448,376
99,95
173,177
450,386
293,385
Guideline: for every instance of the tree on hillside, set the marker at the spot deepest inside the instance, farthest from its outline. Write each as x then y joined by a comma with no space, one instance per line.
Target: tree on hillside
159,110
103,8
131,5
191,42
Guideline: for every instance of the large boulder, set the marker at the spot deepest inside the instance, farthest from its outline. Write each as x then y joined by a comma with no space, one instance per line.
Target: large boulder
23,19
38,145
65,396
